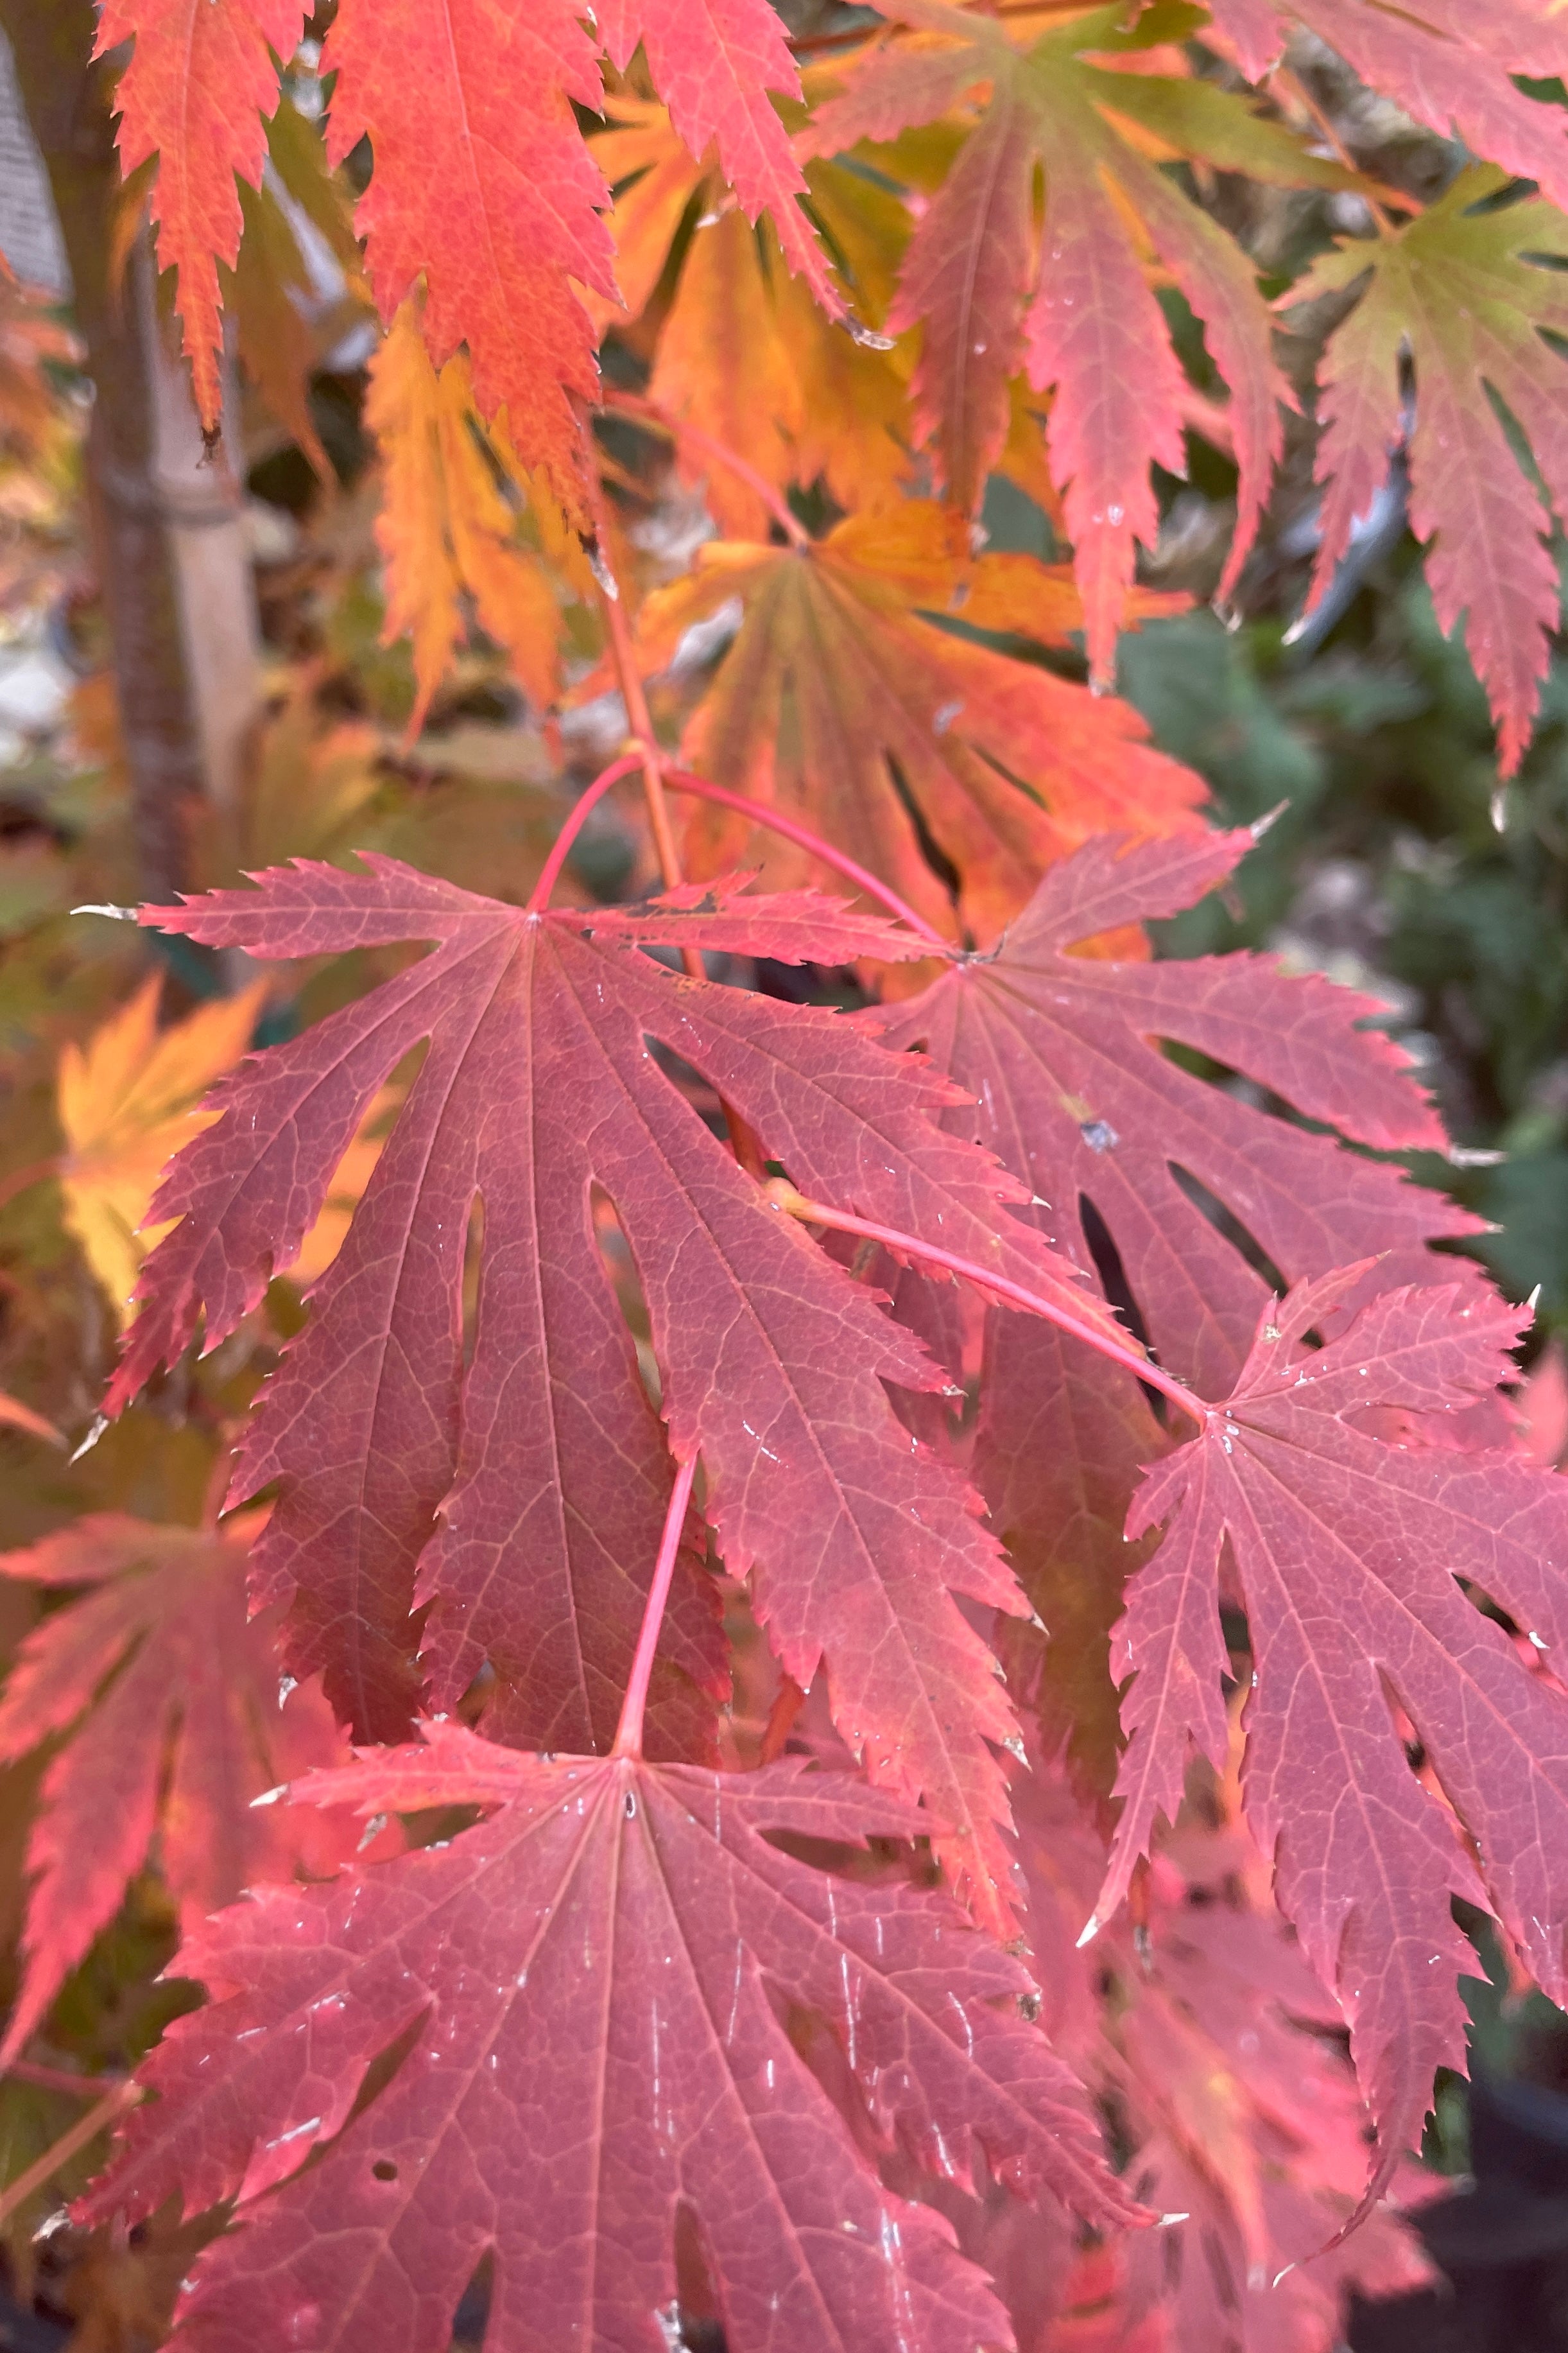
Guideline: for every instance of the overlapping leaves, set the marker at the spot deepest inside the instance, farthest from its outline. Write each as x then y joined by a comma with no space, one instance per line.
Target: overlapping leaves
1348,1510
1082,318
482,185
1061,1055
449,528
589,1980
1451,66
1348,1549
518,1499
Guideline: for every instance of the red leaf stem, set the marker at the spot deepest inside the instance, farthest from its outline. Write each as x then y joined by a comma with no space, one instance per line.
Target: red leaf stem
996,1286
681,780
634,1707
588,801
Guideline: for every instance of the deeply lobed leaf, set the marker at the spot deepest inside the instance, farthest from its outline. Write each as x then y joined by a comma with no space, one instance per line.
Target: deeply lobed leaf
1062,1054
199,83
1469,293
843,703
1347,1550
169,1699
590,1983
520,1499
1082,320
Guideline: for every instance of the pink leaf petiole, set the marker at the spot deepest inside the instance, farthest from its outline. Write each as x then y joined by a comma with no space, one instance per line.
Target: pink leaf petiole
998,1286
634,1707
681,780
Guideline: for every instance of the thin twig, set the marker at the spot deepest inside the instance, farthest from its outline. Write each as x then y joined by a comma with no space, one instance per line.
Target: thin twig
639,719
114,2103
1286,81
60,2079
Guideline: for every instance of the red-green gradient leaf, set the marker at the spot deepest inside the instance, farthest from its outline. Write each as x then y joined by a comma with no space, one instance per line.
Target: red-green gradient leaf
521,1500
1462,291
170,1699
200,81
587,1978
1062,1054
1451,63
1083,315
1347,1552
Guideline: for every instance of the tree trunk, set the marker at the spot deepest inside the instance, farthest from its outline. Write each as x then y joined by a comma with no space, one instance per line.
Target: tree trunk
167,533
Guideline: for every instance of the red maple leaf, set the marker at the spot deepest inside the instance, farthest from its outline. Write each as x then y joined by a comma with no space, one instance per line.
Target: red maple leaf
482,185
521,1500
714,63
173,1696
1347,1551
1448,63
1061,1057
1205,2026
589,1982
199,82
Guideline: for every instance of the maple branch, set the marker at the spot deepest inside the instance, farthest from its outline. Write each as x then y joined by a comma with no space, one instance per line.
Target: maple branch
818,1213
648,412
587,802
634,1707
86,2127
681,780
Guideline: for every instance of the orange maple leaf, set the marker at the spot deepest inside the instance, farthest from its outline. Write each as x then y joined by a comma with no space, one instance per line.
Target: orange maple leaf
844,701
126,1101
200,81
445,526
744,354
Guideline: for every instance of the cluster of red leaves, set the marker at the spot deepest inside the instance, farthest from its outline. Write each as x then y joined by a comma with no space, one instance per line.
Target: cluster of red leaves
631,1222
519,1496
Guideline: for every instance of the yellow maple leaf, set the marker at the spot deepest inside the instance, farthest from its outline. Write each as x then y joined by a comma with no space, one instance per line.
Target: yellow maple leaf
133,1095
127,1100
447,528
